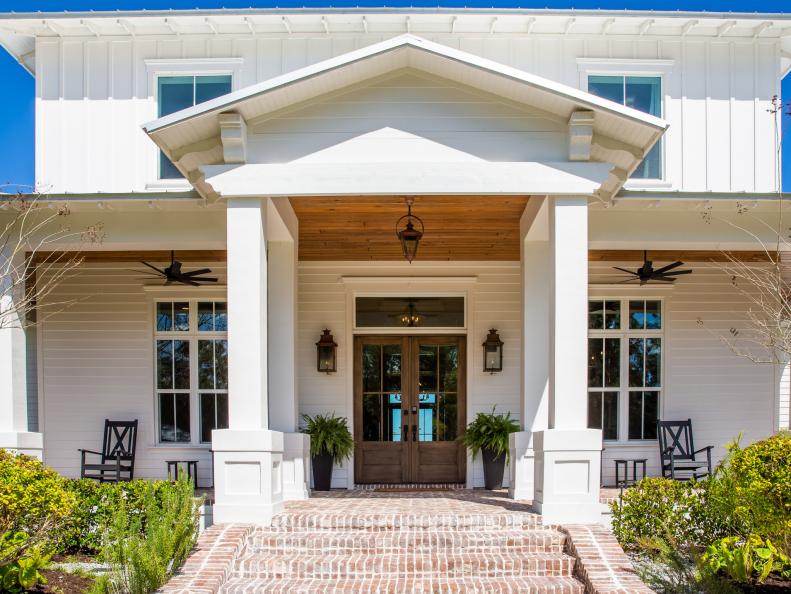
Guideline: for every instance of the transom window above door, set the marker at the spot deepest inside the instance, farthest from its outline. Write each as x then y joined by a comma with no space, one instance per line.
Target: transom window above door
625,339
643,93
409,312
191,370
175,93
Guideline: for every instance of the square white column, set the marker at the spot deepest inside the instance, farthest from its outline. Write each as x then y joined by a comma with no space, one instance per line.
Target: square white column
568,454
283,248
535,267
248,456
13,367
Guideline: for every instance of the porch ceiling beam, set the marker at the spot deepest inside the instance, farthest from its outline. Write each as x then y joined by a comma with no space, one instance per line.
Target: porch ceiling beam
674,255
137,256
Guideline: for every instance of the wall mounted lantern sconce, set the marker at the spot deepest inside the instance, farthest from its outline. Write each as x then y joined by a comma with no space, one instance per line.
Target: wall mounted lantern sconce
493,352
326,353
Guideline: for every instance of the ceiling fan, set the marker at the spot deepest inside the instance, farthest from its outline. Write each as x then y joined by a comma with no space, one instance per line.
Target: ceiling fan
646,273
174,274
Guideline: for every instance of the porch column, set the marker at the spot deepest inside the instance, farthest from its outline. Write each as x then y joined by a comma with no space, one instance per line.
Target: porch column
248,455
14,434
283,231
535,259
568,454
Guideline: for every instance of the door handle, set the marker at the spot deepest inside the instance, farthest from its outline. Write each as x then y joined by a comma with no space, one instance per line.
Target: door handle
406,432
414,432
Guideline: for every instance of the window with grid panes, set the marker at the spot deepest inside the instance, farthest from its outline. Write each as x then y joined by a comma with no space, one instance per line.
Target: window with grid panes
191,350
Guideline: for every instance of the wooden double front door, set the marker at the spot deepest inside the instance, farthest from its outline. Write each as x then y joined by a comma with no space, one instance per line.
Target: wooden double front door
409,409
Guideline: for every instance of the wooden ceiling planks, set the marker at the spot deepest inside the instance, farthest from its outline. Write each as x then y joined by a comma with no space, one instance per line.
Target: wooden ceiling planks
364,227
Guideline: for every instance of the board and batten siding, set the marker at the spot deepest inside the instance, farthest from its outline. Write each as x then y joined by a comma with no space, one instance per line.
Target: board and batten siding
97,362
93,94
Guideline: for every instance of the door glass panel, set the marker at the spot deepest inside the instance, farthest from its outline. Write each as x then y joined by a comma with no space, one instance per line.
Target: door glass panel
381,370
438,392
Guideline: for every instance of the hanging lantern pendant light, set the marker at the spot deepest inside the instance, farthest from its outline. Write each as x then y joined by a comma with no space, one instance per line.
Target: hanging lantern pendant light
409,230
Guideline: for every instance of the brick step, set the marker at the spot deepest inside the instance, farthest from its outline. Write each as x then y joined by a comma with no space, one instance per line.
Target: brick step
406,585
292,522
400,563
517,541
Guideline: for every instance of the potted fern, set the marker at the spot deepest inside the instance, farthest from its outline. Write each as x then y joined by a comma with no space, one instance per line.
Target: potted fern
330,442
488,434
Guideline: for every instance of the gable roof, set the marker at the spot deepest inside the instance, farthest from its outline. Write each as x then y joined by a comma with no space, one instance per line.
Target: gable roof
625,134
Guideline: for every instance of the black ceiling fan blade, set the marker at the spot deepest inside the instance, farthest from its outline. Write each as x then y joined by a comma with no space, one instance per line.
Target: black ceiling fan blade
186,281
196,272
676,272
202,279
661,279
669,267
628,280
625,270
162,272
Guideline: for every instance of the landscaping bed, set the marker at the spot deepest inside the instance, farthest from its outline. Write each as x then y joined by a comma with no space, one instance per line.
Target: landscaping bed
75,536
729,533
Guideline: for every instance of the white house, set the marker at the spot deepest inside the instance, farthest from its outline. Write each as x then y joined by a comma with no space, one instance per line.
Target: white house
279,148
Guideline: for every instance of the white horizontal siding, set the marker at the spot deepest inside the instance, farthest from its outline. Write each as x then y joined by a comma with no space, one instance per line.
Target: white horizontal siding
725,395
97,363
495,303
93,95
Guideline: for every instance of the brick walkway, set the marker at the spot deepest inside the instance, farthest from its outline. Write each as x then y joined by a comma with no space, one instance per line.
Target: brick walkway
454,541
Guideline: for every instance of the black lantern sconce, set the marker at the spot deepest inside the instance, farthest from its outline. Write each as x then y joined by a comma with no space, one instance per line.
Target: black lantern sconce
409,230
326,353
493,352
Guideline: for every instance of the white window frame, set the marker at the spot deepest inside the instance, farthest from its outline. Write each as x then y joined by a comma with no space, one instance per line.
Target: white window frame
183,67
635,67
624,334
193,335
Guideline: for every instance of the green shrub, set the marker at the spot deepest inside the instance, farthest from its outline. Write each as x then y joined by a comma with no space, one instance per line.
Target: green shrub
34,504
751,490
95,507
489,431
663,508
145,548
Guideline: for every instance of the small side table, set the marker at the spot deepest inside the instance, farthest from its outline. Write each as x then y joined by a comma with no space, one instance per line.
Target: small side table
192,470
624,464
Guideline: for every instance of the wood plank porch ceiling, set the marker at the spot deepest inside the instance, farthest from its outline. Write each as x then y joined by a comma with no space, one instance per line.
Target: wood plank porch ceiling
363,227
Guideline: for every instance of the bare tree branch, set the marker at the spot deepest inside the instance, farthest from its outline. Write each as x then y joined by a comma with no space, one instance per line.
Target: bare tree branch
27,277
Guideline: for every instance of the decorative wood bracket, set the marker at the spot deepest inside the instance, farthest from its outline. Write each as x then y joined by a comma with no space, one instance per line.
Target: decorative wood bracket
580,135
233,134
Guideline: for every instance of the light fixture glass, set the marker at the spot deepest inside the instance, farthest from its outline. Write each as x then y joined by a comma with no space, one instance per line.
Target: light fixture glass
326,349
409,230
493,352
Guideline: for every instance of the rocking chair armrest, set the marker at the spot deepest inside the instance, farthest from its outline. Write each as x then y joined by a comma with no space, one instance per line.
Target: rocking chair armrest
668,451
89,452
706,449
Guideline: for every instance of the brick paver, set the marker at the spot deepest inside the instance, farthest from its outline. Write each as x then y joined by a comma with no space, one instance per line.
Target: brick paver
402,542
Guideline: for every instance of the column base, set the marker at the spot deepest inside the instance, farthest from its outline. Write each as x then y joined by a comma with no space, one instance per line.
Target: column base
567,470
296,466
521,469
24,442
248,481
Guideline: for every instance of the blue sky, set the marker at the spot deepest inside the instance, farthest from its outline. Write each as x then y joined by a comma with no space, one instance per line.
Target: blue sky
17,105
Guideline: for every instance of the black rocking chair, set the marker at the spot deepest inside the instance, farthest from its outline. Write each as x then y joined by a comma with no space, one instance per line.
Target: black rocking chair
680,460
117,455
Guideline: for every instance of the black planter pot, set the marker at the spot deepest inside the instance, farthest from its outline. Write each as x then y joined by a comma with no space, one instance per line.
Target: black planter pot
322,471
493,469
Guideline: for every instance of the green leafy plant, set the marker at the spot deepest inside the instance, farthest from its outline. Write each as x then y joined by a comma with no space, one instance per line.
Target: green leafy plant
751,490
746,560
329,435
489,431
144,550
660,506
34,504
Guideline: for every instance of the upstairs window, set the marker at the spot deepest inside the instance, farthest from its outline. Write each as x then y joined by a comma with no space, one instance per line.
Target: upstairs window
643,93
180,92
